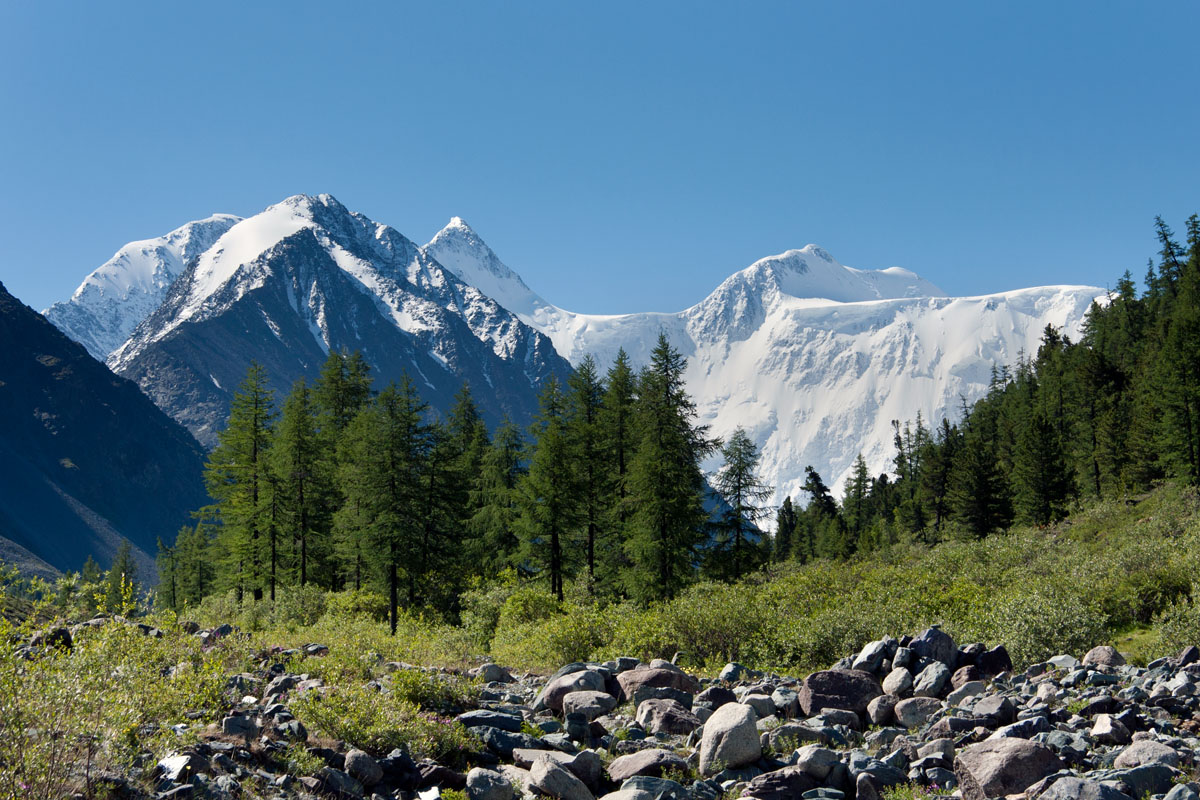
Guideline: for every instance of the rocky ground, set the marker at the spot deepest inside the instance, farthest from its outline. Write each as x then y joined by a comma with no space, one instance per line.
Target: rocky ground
910,718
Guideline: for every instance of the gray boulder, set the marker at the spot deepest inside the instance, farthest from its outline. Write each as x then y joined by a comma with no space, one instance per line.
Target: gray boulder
653,761
589,703
486,784
817,761
363,768
1008,766
937,645
782,784
916,711
666,716
552,694
730,739
898,682
1146,751
554,780
1103,656
932,681
1071,788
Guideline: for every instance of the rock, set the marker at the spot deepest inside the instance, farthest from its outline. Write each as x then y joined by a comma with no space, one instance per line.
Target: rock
1008,766
486,784
865,788
937,645
653,761
1103,656
762,704
1108,730
645,787
491,719
848,689
1182,791
180,767
730,739
1072,788
666,716
964,675
994,662
932,680
338,783
782,784
1149,779
714,697
793,734
840,716
54,637
492,673
239,726
964,692
916,711
732,672
644,693
590,704
996,708
873,655
552,694
557,781
968,786
502,742
817,761
1146,751
632,680
898,682
585,765
882,709
787,702
363,768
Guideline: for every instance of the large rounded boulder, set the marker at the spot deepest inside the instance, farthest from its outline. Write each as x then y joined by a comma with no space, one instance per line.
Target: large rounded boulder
849,689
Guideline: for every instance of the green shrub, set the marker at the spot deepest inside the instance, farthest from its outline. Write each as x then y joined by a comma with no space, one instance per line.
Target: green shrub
380,721
357,604
1178,625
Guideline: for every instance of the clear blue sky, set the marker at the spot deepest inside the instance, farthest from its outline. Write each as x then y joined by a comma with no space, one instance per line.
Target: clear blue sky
599,146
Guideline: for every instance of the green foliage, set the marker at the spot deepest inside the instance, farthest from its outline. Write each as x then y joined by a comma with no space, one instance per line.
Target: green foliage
378,722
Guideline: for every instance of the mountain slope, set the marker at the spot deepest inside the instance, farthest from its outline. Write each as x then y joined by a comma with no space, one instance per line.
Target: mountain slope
306,275
85,457
814,359
127,288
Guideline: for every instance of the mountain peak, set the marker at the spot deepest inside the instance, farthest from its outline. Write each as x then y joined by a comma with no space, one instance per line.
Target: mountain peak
458,248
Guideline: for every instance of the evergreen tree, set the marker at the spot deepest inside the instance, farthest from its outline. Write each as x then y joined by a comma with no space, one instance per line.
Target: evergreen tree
819,533
165,561
496,520
236,477
738,546
90,573
121,576
619,442
785,529
382,455
1041,477
547,493
303,480
855,504
666,485
583,430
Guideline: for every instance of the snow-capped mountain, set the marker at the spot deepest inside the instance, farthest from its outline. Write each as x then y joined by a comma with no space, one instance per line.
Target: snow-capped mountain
814,359
306,275
128,287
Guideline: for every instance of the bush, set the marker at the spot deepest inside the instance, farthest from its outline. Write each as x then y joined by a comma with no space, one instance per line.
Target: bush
1037,623
1178,625
357,604
378,722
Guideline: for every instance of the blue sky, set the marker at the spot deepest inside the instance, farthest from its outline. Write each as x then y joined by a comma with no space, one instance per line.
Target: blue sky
620,156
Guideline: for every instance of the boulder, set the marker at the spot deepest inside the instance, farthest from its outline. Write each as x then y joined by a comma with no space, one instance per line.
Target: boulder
898,682
653,761
782,784
486,784
1107,729
882,709
551,696
550,778
838,688
666,716
762,704
936,645
994,662
363,768
1146,751
492,673
1103,656
730,739
659,676
491,719
589,703
1008,766
714,697
1072,788
817,761
916,711
932,681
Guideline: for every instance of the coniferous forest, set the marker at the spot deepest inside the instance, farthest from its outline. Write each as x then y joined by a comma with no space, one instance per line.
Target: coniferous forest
345,484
